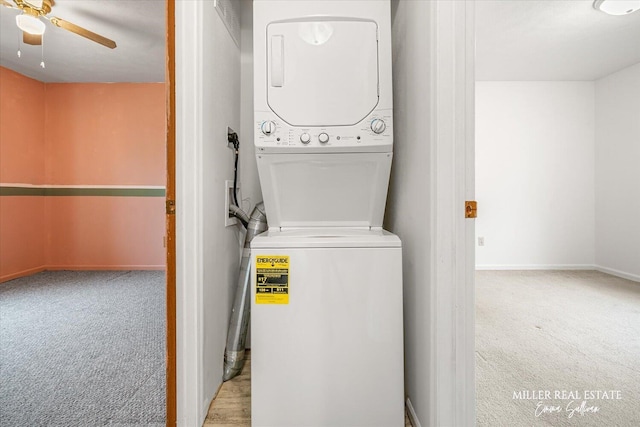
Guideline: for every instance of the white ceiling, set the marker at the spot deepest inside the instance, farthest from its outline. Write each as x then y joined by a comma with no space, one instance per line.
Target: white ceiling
515,40
137,26
552,40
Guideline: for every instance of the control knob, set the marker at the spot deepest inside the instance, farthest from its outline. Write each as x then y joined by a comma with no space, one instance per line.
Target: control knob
323,138
378,126
305,138
268,127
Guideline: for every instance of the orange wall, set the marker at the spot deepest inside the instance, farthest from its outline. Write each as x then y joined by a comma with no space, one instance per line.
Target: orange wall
105,232
22,152
21,128
86,134
105,133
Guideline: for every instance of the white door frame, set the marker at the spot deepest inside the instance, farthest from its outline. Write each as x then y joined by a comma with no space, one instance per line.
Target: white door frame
452,373
190,407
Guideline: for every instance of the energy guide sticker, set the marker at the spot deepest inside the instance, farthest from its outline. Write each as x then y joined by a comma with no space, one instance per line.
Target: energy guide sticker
272,279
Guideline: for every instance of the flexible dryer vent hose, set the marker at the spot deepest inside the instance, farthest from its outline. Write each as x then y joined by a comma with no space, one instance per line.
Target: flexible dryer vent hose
239,323
240,214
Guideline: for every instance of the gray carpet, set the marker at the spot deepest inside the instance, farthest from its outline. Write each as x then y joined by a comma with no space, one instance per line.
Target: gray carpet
83,349
557,331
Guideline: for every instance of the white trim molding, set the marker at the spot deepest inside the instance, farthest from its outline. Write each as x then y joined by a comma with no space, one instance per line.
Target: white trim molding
558,267
413,417
452,370
536,267
189,23
618,273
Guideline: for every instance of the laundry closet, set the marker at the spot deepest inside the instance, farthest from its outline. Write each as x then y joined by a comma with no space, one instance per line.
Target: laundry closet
331,104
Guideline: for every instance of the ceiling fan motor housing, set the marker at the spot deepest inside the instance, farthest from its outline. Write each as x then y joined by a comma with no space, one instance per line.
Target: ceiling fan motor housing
35,8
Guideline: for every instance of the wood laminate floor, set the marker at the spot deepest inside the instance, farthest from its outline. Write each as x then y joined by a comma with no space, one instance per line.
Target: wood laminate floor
232,405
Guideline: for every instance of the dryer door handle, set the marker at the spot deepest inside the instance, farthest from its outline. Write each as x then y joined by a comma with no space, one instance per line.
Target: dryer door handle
277,61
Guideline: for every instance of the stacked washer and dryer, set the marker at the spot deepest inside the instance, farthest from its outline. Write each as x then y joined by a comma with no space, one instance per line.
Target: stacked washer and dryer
326,310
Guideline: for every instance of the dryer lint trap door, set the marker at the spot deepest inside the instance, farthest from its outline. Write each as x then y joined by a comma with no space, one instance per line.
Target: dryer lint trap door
322,72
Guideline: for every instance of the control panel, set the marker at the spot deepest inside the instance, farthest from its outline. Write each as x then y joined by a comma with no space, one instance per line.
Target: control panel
374,133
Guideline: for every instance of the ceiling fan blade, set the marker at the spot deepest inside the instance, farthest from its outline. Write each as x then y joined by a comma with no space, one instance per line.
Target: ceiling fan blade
7,4
83,32
33,39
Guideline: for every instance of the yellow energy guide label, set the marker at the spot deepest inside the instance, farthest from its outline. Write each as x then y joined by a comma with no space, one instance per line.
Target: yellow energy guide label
272,279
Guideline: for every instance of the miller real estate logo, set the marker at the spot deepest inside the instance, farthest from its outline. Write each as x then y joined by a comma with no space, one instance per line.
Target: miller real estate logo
571,403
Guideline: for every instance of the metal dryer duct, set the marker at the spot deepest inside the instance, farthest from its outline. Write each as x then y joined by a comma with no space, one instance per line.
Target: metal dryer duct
239,322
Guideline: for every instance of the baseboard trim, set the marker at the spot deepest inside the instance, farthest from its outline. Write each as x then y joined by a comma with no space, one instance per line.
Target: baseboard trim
23,273
618,273
104,267
413,417
606,270
40,269
537,267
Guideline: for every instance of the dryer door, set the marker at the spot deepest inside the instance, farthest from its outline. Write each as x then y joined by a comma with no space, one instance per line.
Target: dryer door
322,72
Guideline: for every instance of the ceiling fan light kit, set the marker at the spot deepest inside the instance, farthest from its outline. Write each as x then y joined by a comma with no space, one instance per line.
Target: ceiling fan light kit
30,24
33,28
617,7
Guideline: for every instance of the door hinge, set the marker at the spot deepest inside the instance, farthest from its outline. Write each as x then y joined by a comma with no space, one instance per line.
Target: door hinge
471,209
171,207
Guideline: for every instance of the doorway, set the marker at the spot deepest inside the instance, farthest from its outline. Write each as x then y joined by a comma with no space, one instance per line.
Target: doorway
551,135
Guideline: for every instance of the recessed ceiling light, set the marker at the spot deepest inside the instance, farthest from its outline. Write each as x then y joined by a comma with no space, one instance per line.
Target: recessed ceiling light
617,7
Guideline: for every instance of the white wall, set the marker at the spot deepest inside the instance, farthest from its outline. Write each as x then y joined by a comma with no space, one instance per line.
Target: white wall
617,148
220,108
408,210
251,191
535,174
433,79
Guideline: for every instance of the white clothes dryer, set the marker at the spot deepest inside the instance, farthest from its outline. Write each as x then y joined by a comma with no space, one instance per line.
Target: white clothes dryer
323,111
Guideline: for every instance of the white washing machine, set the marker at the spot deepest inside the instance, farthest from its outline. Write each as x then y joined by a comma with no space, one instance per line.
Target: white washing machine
332,354
326,311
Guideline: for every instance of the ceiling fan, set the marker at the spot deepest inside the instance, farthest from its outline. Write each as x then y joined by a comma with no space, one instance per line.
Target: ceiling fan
33,28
